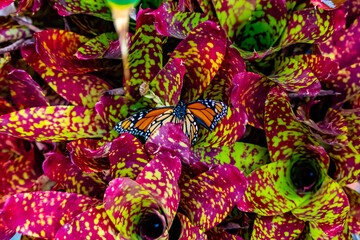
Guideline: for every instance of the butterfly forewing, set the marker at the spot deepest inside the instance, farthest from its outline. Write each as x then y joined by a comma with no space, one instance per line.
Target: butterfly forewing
208,112
139,123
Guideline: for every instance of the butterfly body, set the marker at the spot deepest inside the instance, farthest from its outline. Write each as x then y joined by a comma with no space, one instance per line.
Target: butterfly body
205,112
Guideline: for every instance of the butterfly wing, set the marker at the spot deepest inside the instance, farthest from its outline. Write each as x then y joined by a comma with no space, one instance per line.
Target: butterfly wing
208,112
165,117
190,127
142,123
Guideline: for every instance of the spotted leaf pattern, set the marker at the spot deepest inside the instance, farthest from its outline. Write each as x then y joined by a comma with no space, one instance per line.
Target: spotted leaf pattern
221,85
78,89
98,9
168,82
90,155
227,131
233,15
60,169
249,92
245,156
41,214
327,209
57,49
127,157
93,223
219,188
170,138
24,91
10,30
53,123
202,50
144,63
284,226
281,126
172,23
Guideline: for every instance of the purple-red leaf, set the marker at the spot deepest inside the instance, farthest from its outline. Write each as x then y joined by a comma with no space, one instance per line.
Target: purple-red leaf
203,51
25,92
220,87
209,197
188,230
327,209
145,54
169,81
92,224
169,138
284,226
81,155
159,177
249,92
53,123
79,89
41,214
127,157
57,49
172,23
60,169
229,130
128,205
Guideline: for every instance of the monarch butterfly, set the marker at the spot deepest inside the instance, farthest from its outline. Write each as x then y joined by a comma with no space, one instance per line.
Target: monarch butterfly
206,112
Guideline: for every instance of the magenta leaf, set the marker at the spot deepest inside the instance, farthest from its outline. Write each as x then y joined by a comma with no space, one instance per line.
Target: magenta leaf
94,223
144,64
284,226
327,209
210,196
249,92
18,169
57,49
173,23
169,138
169,81
60,169
130,206
46,211
162,174
69,7
79,89
81,155
53,123
188,230
227,131
127,157
203,51
221,85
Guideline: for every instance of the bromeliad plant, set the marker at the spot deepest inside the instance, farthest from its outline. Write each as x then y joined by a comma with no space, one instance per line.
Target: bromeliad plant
286,70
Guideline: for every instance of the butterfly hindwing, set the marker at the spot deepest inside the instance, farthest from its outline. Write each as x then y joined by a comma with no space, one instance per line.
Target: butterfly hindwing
190,127
208,112
167,116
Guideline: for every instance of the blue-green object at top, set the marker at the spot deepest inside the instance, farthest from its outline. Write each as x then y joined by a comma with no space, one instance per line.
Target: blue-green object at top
123,2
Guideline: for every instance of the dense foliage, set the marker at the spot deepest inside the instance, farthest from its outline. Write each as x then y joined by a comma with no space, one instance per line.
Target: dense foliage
279,165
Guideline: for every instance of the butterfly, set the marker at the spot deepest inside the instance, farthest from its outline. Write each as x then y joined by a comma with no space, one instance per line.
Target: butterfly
205,112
